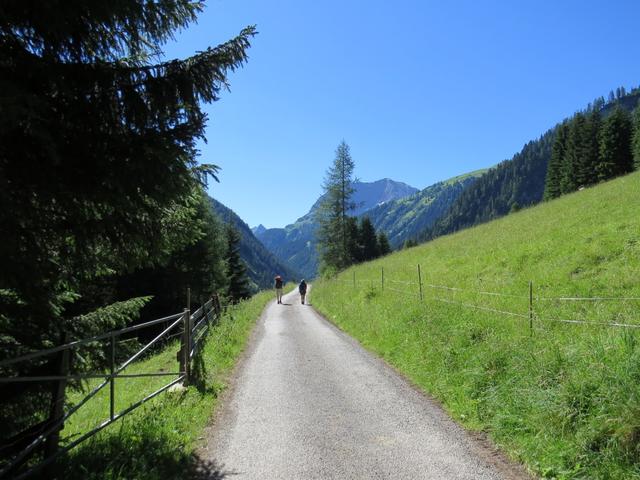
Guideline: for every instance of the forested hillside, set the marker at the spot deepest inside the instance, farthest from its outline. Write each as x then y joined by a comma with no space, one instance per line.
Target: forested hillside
262,265
515,183
594,146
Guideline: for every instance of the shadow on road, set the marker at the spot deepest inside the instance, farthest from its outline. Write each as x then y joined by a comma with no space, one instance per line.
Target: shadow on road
206,470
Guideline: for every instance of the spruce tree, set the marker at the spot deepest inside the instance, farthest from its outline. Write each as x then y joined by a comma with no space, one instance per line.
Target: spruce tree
333,212
354,246
409,243
573,166
587,174
99,148
552,187
384,248
98,159
615,145
636,138
368,240
238,282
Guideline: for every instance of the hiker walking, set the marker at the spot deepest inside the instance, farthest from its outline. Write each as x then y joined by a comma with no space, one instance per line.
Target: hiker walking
278,285
302,288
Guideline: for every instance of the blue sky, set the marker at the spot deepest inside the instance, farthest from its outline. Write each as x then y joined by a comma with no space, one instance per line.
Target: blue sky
420,90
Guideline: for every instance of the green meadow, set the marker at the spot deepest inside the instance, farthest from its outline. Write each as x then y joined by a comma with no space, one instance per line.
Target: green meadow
554,380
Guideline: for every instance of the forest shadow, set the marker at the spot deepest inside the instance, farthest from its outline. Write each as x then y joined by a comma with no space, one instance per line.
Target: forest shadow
146,455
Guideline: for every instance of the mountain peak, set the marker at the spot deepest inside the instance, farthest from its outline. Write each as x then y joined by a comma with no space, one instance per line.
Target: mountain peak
368,195
259,230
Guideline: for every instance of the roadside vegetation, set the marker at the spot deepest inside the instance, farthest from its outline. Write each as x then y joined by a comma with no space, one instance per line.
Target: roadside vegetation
560,397
158,440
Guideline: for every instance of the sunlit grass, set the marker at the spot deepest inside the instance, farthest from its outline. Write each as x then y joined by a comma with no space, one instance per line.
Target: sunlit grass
563,398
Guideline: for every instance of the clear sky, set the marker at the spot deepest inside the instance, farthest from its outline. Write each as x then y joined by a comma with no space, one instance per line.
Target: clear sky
420,90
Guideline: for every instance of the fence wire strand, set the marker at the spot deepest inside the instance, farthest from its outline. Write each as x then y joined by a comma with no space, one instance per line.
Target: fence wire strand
587,322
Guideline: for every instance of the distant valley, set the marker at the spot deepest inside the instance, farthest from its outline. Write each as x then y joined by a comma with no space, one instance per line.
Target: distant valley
261,264
404,213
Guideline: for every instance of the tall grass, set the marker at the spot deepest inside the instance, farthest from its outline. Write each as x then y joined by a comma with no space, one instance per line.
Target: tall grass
158,440
563,398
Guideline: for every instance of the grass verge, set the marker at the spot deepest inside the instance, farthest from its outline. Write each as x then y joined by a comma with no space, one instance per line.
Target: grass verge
158,440
562,398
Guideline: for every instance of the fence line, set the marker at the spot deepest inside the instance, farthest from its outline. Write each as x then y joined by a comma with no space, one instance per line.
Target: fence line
530,297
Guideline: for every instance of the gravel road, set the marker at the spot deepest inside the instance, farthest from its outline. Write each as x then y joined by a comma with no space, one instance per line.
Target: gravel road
309,403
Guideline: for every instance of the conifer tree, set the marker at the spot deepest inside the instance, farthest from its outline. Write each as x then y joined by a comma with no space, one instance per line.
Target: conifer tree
615,145
384,248
333,213
636,138
238,282
98,159
368,240
587,174
552,187
99,148
409,243
354,246
572,165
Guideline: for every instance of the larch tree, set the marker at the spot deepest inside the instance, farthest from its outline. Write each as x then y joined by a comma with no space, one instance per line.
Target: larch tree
333,212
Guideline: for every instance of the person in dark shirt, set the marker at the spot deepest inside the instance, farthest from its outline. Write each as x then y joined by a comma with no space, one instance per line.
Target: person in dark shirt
302,288
278,285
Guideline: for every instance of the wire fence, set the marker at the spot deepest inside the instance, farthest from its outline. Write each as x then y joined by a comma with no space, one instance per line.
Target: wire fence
598,311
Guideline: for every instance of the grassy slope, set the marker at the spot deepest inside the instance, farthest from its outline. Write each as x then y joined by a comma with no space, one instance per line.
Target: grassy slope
157,441
564,398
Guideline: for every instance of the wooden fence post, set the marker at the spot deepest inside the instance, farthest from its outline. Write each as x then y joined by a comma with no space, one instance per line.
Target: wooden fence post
531,307
420,283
